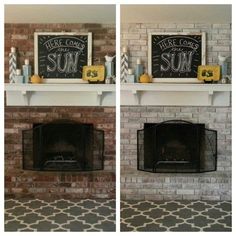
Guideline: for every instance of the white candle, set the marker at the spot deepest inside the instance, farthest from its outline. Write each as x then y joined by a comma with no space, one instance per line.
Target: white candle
18,71
130,71
13,49
138,61
124,49
26,61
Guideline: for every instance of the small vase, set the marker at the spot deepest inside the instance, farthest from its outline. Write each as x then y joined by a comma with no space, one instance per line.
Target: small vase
223,66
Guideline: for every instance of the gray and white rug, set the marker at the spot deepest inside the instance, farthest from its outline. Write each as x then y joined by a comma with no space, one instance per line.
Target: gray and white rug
181,216
59,215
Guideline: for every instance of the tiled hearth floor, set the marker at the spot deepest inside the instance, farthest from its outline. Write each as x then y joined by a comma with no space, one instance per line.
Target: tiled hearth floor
175,216
59,215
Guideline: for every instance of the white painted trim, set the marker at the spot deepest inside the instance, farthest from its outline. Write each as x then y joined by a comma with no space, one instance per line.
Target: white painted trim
60,94
174,87
175,80
89,48
150,53
203,48
60,87
175,94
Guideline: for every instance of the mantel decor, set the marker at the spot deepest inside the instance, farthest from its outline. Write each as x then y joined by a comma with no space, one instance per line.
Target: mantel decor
60,57
94,74
175,57
209,73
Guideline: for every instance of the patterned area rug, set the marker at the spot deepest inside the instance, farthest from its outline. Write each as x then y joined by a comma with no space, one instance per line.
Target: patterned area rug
181,216
59,215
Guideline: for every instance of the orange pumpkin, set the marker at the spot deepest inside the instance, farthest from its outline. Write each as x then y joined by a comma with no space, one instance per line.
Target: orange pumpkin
36,79
145,78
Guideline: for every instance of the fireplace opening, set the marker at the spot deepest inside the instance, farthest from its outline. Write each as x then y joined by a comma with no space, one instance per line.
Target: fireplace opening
63,146
176,146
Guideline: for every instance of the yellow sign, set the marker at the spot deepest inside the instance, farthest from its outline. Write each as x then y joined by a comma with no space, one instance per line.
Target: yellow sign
94,73
208,73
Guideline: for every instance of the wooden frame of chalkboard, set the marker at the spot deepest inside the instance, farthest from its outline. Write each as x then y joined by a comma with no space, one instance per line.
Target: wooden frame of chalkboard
60,56
175,57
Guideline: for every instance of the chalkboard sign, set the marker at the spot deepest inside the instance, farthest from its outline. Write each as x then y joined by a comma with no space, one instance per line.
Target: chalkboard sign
60,57
175,57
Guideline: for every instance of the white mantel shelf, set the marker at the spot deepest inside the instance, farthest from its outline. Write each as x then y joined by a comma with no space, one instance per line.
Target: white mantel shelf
165,94
60,94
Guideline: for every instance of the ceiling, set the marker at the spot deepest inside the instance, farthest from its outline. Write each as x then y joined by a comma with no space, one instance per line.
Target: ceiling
60,14
180,13
56,13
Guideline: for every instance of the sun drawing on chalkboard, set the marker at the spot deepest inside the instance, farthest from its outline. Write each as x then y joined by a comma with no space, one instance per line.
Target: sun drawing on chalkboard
64,58
169,60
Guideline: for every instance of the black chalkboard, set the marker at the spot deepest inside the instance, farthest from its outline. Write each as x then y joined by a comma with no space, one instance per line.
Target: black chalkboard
62,55
176,55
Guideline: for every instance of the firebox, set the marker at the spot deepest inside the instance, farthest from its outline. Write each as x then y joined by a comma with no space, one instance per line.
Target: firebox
63,145
176,146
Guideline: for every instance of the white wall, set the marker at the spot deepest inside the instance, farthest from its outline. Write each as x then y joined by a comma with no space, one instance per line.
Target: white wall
60,14
176,13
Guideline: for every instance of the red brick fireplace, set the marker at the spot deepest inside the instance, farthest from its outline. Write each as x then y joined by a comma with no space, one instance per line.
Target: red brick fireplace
25,183
58,184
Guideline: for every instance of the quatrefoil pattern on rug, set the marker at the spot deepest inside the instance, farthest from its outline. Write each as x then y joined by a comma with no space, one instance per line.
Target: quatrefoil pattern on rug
181,216
59,215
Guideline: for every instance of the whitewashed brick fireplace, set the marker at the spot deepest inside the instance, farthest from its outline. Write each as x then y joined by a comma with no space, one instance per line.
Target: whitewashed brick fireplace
157,186
154,103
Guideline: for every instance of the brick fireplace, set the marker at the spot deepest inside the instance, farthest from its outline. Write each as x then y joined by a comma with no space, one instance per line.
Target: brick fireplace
157,103
26,183
140,185
23,182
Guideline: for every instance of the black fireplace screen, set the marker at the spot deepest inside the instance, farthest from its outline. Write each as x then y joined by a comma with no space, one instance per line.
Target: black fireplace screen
63,146
176,146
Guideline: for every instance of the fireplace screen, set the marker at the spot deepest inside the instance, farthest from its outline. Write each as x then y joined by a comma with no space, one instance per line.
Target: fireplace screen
176,146
63,146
